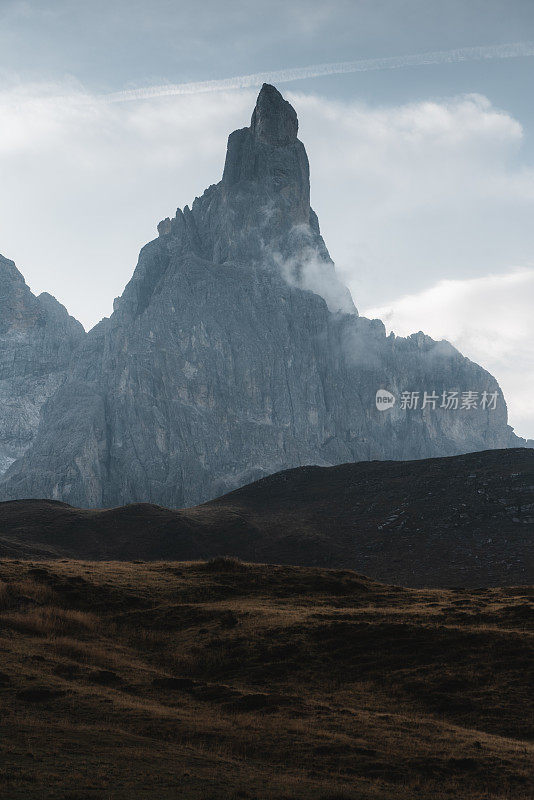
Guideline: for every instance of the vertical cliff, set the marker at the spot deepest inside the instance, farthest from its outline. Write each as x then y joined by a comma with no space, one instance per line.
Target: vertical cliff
235,351
37,339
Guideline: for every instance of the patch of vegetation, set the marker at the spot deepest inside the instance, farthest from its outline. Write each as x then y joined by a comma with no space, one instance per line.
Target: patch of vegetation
226,679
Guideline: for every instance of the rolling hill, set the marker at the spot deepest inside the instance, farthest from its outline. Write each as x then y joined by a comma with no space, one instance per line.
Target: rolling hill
456,521
223,680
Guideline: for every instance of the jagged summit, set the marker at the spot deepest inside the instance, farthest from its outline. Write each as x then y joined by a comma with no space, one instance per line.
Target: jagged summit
274,120
234,352
259,214
269,150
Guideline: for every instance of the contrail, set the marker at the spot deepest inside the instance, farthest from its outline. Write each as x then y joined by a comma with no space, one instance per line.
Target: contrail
514,50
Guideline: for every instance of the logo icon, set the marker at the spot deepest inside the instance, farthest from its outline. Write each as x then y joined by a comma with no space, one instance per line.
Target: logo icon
384,400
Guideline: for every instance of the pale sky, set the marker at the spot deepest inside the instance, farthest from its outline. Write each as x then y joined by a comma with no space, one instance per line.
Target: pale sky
422,176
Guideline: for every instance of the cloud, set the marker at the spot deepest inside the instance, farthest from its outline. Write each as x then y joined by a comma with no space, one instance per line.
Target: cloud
310,271
488,319
408,194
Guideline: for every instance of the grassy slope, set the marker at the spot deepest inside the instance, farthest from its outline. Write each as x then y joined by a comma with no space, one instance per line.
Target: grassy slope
227,680
459,521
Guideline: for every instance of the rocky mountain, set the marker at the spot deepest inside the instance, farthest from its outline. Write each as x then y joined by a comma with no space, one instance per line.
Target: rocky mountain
459,521
37,338
235,352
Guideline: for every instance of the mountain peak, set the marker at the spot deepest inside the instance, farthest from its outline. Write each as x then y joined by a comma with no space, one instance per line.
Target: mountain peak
269,148
259,214
274,120
236,345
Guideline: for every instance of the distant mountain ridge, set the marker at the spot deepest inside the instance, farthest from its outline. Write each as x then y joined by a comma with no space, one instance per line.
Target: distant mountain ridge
233,352
458,521
37,339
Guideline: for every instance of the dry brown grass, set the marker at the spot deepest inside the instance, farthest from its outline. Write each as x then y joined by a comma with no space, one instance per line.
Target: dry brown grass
4,595
224,564
15,592
230,680
50,621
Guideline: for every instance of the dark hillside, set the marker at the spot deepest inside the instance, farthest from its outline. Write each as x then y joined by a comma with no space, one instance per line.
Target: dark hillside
463,520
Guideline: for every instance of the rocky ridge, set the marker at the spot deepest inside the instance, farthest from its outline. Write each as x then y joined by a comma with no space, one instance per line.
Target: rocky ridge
235,351
37,339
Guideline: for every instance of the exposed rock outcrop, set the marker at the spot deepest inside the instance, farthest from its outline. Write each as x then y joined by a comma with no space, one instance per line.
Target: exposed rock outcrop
235,351
37,338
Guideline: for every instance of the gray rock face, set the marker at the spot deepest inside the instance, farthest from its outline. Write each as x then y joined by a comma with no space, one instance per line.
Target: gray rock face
37,338
259,215
235,351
